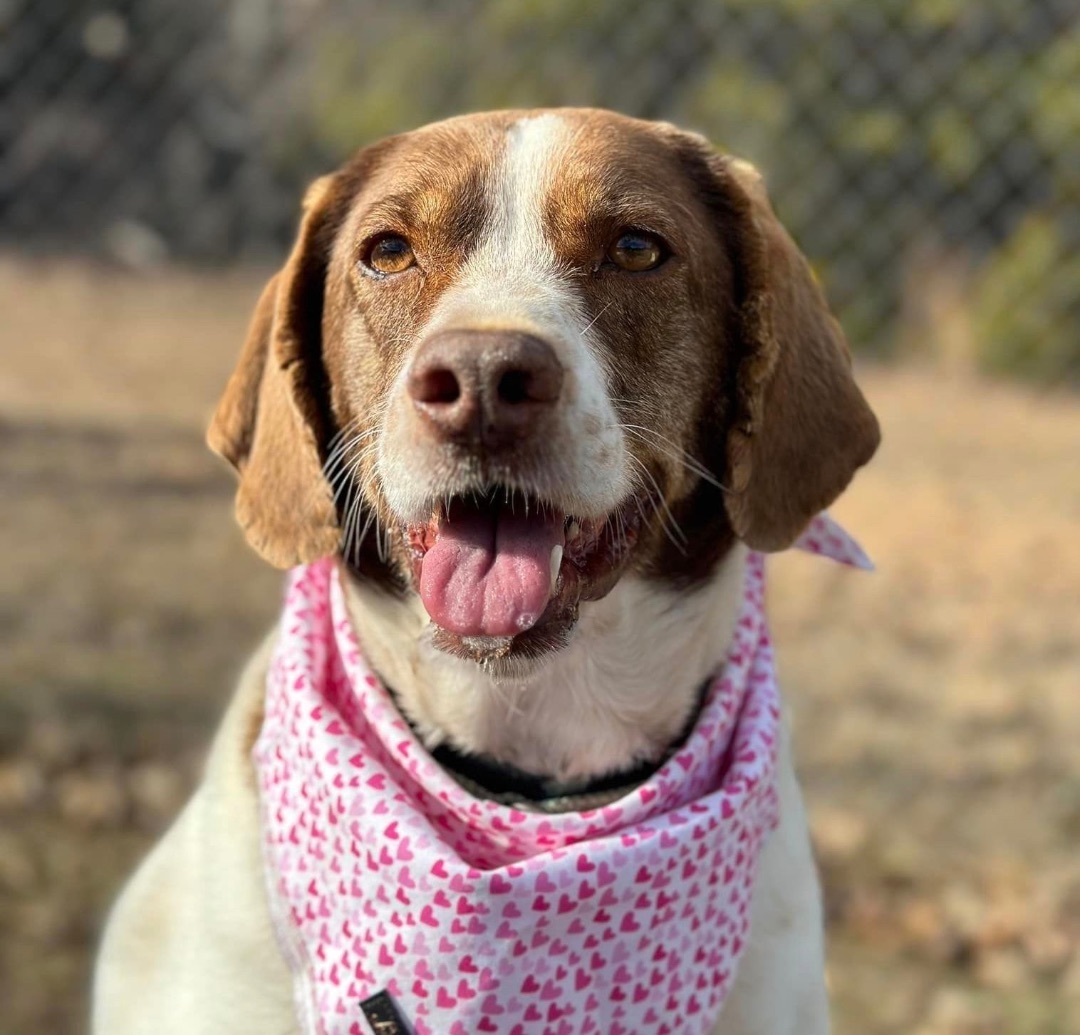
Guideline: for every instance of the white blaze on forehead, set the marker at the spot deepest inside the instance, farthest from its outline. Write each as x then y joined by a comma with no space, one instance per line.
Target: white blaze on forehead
515,241
514,271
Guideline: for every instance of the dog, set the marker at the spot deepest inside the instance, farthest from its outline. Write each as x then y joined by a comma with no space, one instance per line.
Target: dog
543,386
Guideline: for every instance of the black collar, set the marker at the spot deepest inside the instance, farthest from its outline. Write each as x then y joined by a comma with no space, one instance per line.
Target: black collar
486,777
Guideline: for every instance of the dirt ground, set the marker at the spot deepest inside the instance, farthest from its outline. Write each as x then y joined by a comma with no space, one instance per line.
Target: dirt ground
936,702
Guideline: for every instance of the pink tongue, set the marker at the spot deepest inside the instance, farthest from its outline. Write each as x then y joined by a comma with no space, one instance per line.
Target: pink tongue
489,572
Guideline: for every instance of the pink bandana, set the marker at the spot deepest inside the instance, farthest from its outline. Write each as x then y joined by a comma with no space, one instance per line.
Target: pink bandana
386,875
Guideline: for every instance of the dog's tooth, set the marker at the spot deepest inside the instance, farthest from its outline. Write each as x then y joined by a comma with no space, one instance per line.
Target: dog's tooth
556,564
573,530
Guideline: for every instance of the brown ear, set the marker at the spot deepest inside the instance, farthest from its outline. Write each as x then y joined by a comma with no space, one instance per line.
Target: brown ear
271,422
801,427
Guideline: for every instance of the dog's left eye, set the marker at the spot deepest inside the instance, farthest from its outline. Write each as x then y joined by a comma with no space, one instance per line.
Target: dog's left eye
637,250
390,254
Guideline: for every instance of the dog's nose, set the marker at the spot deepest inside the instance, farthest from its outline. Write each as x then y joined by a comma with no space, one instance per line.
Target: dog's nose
489,388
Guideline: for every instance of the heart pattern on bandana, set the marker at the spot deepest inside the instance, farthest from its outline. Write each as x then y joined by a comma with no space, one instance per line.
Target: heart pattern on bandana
477,917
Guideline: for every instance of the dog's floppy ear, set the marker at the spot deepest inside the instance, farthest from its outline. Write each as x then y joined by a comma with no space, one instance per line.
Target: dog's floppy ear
271,422
801,427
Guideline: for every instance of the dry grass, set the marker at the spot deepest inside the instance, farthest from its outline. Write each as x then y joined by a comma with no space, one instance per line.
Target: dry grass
936,703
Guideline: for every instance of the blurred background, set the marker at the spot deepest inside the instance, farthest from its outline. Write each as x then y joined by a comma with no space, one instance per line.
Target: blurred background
925,153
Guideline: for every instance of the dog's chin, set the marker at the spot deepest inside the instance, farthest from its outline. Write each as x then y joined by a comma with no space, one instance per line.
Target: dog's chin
508,658
464,551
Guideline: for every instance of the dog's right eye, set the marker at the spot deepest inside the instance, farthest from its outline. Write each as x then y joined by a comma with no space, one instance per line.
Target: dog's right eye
390,254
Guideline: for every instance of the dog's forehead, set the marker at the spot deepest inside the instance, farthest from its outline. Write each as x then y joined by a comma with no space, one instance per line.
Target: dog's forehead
577,159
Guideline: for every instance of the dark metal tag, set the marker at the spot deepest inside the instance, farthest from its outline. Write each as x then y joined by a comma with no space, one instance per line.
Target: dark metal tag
383,1016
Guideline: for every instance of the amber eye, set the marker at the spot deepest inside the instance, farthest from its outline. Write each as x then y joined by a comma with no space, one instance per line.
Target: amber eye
390,254
637,251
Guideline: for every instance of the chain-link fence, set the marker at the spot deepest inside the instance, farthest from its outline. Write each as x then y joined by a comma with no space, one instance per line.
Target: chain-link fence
926,153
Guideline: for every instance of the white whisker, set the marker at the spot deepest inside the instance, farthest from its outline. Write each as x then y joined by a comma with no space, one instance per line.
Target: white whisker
689,462
585,330
673,531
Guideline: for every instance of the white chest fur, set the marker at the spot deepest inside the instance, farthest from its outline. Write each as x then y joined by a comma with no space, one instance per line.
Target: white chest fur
618,694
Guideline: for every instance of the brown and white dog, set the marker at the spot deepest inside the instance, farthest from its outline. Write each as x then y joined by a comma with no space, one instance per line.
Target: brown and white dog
580,334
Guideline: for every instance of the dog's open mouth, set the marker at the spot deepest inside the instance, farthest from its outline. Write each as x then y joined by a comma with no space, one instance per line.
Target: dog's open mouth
498,565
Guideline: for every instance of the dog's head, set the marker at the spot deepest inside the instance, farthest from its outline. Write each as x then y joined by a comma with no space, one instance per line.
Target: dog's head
513,356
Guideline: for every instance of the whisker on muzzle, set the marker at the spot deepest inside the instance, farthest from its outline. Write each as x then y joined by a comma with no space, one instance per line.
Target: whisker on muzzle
663,512
676,453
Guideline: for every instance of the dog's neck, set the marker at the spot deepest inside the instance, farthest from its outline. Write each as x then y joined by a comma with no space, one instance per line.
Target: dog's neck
619,694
